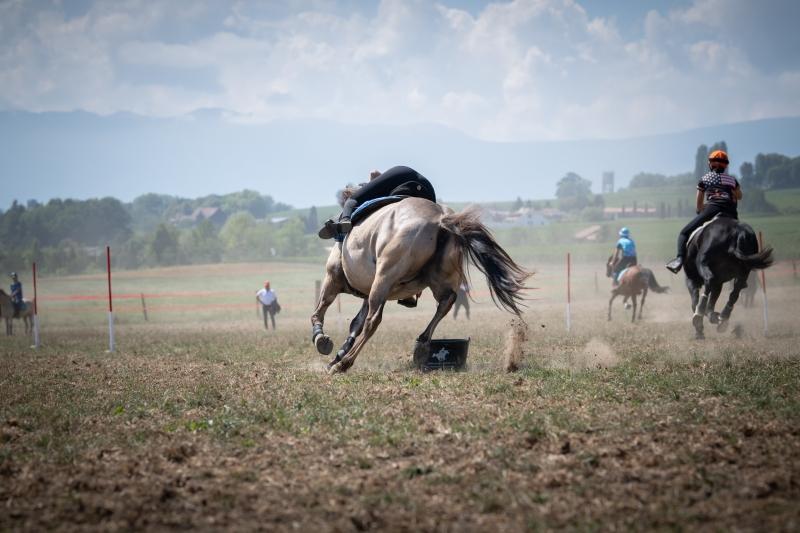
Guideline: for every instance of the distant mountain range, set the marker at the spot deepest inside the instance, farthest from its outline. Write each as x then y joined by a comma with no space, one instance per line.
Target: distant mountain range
303,162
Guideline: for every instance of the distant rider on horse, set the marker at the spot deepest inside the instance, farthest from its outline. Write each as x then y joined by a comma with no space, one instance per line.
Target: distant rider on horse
16,294
717,194
397,181
624,255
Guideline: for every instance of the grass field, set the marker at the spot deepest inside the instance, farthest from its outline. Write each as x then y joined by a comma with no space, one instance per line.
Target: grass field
203,419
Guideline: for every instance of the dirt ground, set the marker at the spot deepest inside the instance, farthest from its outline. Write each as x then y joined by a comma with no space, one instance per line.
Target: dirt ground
221,425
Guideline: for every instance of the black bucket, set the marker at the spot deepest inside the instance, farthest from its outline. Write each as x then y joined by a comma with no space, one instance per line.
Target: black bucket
449,354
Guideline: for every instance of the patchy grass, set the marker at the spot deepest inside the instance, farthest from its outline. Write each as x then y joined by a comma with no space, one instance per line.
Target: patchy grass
221,425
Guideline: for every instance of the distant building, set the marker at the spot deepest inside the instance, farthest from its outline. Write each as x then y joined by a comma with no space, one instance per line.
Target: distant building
591,233
213,214
522,217
608,182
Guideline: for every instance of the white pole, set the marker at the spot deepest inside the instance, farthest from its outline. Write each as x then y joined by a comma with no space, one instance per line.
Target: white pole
569,293
764,286
36,342
111,344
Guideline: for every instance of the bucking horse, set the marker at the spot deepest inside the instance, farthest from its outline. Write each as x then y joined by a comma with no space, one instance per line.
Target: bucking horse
398,251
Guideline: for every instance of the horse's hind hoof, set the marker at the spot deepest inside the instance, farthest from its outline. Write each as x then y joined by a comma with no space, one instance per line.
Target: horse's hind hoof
722,327
324,344
699,337
714,318
334,368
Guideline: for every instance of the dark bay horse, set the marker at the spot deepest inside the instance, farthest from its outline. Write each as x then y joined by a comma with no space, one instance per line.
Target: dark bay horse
725,250
7,313
635,280
399,251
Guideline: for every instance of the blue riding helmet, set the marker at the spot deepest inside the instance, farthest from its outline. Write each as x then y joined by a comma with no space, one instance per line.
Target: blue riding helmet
624,232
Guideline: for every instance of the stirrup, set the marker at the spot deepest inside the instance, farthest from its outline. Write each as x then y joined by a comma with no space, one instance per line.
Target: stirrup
344,226
675,265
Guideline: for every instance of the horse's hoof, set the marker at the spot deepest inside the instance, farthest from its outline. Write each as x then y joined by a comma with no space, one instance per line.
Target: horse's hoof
628,305
697,321
714,318
324,344
699,337
722,327
334,368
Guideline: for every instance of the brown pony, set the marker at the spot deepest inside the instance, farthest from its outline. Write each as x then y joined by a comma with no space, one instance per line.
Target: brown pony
400,250
635,280
7,313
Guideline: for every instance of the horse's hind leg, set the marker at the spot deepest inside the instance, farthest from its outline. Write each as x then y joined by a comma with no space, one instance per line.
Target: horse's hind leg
641,306
633,315
713,316
422,348
738,285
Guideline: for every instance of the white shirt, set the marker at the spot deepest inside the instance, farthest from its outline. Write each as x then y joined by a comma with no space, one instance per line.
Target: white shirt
266,296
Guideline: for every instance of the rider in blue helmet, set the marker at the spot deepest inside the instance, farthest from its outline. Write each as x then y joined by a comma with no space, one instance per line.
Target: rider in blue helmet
16,294
624,254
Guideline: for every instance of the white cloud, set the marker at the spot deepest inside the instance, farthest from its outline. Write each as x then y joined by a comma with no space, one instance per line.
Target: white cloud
522,69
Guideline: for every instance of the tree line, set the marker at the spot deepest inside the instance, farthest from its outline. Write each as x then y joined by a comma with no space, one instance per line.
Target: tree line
69,236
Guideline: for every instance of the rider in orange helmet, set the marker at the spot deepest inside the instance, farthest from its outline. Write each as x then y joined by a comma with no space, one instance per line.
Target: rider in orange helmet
717,194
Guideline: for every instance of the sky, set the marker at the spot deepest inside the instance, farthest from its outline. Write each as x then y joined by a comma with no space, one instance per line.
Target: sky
500,71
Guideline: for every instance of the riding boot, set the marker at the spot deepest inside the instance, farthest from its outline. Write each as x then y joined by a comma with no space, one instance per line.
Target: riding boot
331,229
675,265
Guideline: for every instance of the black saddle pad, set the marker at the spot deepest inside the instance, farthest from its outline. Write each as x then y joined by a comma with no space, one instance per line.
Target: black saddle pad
370,206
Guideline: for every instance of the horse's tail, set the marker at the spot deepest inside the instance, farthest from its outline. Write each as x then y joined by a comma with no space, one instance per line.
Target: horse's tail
746,250
762,259
506,278
652,283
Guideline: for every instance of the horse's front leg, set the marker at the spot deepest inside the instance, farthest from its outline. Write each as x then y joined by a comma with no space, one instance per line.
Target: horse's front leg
331,287
614,294
356,327
633,315
422,348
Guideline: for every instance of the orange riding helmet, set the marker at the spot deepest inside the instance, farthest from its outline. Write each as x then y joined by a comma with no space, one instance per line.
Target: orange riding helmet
718,159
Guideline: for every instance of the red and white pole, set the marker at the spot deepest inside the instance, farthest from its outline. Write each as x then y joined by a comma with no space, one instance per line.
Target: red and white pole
36,342
111,344
764,286
569,292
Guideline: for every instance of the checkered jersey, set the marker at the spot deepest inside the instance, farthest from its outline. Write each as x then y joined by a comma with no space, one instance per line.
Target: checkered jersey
718,187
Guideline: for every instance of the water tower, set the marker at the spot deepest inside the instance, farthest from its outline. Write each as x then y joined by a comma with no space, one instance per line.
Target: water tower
608,182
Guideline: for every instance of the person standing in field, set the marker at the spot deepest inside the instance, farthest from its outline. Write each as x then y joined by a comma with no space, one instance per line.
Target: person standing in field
269,304
462,300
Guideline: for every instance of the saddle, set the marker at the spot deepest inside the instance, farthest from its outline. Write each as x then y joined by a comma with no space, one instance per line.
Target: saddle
363,211
621,273
699,230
